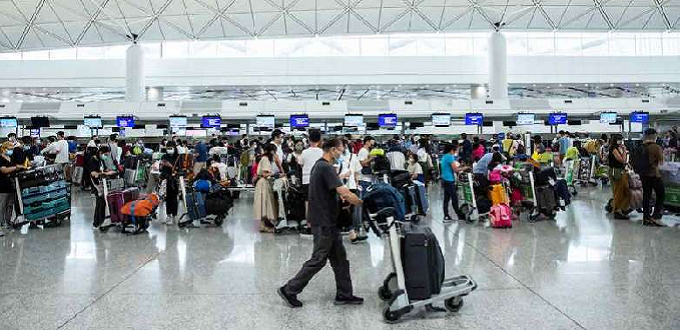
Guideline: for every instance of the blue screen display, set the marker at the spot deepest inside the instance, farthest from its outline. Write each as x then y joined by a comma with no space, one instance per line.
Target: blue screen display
557,119
299,121
211,122
474,119
125,121
639,117
387,120
8,122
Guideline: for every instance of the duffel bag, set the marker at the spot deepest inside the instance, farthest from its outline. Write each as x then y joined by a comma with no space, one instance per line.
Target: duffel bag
219,203
142,207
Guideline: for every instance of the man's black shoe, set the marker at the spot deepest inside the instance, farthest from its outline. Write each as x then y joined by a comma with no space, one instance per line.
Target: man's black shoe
291,300
353,300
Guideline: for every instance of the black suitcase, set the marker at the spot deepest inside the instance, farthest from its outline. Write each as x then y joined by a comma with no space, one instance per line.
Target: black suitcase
423,263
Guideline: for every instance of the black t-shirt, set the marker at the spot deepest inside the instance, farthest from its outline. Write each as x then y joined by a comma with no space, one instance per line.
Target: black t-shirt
6,183
92,164
323,199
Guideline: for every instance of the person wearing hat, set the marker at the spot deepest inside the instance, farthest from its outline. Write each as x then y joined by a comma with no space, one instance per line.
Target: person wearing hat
6,184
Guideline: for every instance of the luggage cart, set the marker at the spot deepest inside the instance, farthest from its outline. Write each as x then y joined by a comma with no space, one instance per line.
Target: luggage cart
115,185
44,196
527,186
393,289
467,201
280,187
207,220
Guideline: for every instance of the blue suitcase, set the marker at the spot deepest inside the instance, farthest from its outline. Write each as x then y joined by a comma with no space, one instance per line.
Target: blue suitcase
421,197
196,206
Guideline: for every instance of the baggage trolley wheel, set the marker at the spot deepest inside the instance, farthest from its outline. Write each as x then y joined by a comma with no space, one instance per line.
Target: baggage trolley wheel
389,316
415,219
384,293
219,220
454,304
609,208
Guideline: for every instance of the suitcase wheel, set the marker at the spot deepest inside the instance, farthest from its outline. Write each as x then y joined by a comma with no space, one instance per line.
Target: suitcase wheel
389,316
454,304
384,293
219,220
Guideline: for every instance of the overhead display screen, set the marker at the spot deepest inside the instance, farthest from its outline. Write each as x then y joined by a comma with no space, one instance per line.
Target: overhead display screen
93,122
8,122
299,121
475,118
35,132
639,117
354,120
387,120
211,122
608,117
267,121
40,122
441,119
178,121
557,118
125,121
526,118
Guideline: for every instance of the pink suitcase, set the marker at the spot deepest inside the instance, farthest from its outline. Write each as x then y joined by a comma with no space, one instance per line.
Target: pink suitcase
501,216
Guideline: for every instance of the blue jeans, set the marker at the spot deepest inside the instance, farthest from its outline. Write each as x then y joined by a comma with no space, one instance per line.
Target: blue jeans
450,194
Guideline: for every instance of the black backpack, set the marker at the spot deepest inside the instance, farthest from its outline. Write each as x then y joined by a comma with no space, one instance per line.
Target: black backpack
640,161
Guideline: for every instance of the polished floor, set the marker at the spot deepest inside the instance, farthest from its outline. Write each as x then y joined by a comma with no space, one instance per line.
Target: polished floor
582,271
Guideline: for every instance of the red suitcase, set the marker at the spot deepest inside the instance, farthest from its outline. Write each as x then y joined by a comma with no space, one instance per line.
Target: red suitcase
116,201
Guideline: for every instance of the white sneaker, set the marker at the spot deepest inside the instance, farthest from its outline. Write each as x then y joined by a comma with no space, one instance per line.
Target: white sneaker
169,220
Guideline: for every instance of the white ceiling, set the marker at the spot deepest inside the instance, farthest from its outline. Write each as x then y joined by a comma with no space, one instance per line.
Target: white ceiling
46,24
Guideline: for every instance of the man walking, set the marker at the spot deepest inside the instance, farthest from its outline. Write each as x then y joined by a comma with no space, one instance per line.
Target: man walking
324,206
651,156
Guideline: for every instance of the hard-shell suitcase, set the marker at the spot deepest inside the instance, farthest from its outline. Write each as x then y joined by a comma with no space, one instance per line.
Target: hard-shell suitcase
498,195
77,176
130,177
501,216
116,201
545,197
196,206
423,263
421,197
130,194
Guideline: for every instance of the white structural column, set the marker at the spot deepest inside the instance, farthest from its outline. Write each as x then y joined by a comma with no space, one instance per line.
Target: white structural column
134,74
498,66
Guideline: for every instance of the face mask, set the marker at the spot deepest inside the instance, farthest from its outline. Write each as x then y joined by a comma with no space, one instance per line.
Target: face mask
9,152
620,143
171,151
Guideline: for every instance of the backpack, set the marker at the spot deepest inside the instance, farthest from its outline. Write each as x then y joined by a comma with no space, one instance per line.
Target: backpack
381,195
641,164
381,163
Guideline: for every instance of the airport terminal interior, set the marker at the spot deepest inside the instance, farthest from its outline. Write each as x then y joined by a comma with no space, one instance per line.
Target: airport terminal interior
339,164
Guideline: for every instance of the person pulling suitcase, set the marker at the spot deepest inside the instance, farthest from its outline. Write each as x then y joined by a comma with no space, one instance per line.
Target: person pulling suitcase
324,189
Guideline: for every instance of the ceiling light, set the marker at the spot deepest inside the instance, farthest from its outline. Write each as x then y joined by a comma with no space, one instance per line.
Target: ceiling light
585,85
611,85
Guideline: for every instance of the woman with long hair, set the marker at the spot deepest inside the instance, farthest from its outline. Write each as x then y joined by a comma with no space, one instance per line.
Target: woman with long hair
618,159
266,209
169,167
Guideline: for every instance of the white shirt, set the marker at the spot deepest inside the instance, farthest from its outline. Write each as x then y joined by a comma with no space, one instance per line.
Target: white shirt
415,168
60,148
352,165
307,160
362,156
279,150
181,150
397,160
222,168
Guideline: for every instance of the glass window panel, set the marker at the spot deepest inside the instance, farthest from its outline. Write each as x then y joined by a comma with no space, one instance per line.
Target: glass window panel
315,47
176,49
374,46
568,46
260,48
403,46
39,55
16,56
459,45
622,44
231,48
63,54
116,52
91,53
202,49
540,46
516,43
595,44
152,50
435,46
671,44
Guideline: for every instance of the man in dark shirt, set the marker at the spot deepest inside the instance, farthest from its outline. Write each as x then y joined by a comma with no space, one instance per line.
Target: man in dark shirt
652,182
324,207
465,154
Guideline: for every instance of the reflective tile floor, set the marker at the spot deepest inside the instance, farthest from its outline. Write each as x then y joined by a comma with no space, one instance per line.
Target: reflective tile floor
582,271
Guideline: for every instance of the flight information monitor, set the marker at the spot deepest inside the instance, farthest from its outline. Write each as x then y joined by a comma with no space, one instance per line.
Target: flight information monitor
299,121
608,117
177,121
526,118
557,118
387,120
639,117
267,121
93,122
475,118
211,122
8,122
441,119
354,120
125,121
